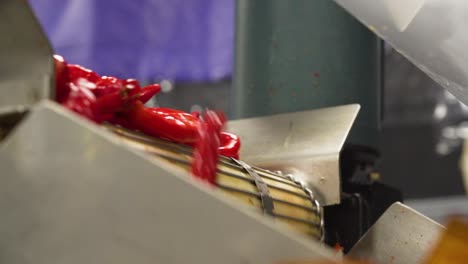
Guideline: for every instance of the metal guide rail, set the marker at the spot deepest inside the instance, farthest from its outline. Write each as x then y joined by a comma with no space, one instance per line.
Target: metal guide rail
281,196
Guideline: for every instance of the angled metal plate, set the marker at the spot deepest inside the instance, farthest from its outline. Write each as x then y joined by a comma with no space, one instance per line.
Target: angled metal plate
429,33
71,192
26,68
400,236
306,143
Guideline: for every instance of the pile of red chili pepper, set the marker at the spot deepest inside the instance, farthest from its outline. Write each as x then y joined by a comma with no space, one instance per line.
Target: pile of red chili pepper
121,102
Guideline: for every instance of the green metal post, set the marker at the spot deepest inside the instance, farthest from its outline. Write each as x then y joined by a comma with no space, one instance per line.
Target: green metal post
305,54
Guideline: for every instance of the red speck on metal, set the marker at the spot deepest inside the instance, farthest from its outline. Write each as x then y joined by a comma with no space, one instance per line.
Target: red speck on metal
338,248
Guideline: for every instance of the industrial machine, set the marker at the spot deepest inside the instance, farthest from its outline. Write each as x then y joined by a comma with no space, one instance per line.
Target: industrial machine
76,192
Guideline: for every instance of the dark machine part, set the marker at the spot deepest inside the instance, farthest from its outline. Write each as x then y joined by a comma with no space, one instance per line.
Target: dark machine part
364,197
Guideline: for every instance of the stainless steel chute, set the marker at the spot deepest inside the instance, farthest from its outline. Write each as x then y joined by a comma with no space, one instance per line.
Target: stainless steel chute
430,33
72,192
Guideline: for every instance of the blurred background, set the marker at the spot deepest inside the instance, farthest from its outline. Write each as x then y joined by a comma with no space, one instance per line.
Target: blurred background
204,53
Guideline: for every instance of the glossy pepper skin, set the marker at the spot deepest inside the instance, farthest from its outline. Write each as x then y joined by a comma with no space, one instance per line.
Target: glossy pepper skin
165,123
176,126
106,85
81,101
108,104
121,102
62,90
229,145
147,92
133,87
206,149
123,98
76,72
75,84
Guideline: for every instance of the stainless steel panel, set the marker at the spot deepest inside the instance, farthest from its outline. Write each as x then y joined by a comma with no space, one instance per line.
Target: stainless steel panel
306,144
400,236
26,65
430,33
440,209
72,192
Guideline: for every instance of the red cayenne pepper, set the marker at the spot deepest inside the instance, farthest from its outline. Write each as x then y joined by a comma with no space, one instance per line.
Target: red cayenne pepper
230,145
205,153
106,85
132,84
107,105
147,92
109,99
196,114
120,97
75,72
62,90
81,101
177,126
165,123
133,87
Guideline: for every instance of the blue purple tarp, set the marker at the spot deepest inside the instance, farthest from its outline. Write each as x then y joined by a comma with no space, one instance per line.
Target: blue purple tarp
182,40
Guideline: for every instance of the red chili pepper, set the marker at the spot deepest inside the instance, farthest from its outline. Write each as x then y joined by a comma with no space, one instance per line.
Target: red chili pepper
205,154
119,119
114,95
109,104
147,92
230,145
62,90
106,85
165,123
76,72
122,102
133,87
196,114
132,84
176,126
81,101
